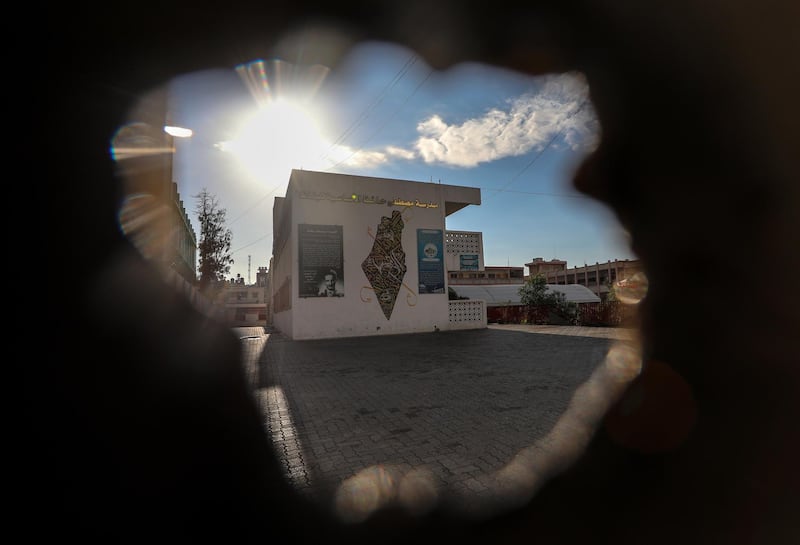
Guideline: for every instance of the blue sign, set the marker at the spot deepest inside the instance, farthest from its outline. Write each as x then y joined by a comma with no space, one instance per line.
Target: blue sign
468,262
430,255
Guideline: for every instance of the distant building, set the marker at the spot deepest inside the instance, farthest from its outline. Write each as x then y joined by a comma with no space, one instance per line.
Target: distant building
244,305
463,250
489,275
262,277
596,277
540,266
152,214
159,227
182,251
465,265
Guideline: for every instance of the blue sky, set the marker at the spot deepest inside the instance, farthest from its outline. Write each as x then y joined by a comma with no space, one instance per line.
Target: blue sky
383,112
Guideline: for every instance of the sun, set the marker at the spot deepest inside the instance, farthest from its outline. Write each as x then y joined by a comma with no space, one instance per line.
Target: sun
281,136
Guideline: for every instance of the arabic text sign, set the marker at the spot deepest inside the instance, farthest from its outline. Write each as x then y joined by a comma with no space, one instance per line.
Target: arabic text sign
366,199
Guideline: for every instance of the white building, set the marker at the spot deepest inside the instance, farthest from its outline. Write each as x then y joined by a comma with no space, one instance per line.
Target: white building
356,256
245,305
597,277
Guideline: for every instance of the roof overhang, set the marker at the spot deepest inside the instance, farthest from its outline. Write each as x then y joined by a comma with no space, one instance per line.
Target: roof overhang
457,197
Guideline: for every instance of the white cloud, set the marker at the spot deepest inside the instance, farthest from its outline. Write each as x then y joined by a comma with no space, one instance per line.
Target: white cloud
531,121
394,151
345,155
365,159
339,155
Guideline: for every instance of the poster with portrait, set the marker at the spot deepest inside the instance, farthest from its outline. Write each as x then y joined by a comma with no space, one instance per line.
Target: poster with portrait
430,255
321,257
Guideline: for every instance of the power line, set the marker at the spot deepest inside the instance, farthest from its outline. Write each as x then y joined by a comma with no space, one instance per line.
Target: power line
394,81
259,201
541,193
495,190
544,148
368,110
386,122
251,243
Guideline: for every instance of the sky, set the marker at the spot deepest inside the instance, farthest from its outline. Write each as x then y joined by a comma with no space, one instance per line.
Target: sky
384,112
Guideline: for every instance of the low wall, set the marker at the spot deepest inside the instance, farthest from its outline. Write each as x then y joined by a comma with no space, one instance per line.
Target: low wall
467,314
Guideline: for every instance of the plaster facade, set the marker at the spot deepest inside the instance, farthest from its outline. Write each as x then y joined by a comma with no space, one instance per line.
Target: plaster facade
356,256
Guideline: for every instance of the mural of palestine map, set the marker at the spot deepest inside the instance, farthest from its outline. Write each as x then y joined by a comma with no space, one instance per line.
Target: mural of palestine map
385,266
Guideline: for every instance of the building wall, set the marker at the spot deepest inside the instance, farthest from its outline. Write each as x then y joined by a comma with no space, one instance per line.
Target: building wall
540,266
182,252
152,214
490,275
464,250
468,314
262,277
281,268
596,277
357,205
244,305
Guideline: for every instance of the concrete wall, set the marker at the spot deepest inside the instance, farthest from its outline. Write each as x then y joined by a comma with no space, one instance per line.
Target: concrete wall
462,247
358,204
468,314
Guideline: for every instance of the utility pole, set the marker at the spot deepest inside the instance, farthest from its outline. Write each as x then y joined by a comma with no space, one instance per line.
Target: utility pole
248,270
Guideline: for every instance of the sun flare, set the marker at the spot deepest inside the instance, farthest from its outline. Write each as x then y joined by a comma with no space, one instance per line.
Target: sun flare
281,136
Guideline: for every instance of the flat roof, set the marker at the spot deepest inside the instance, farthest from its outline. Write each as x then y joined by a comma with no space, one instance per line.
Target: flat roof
455,197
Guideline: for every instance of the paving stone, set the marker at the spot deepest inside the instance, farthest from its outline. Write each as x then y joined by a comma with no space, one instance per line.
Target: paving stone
458,404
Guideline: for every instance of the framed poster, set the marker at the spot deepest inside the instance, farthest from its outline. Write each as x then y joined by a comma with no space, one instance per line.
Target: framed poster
430,255
321,256
468,262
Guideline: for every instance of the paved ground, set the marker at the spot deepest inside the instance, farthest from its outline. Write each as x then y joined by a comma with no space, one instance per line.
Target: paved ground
426,417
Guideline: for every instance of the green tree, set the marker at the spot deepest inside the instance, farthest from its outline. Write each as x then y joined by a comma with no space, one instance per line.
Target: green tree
611,295
535,294
214,248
